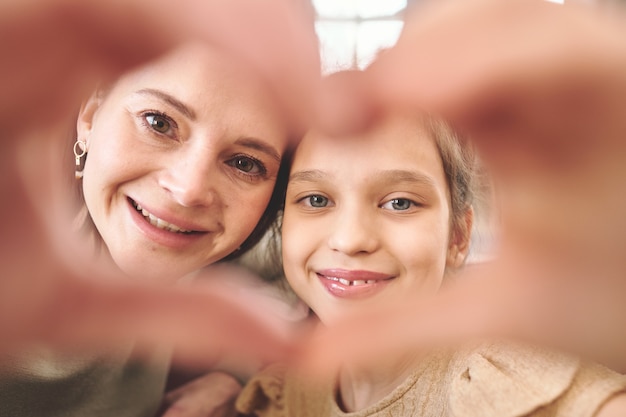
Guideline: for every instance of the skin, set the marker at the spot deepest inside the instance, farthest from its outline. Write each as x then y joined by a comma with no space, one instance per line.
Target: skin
103,39
56,52
340,214
545,108
194,141
43,85
376,202
60,48
210,395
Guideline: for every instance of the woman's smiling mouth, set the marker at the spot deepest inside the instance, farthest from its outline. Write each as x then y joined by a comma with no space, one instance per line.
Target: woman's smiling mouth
157,222
176,235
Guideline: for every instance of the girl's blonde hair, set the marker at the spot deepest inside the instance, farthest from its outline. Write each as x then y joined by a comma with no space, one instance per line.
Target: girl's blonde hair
462,170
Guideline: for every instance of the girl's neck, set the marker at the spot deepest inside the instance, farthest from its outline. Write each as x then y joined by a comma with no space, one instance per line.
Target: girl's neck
363,387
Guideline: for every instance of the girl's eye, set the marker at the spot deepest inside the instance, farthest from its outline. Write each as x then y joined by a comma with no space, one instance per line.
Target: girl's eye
316,201
400,204
247,165
158,123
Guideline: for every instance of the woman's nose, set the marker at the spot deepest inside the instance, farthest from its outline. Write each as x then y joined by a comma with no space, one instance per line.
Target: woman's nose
191,180
354,231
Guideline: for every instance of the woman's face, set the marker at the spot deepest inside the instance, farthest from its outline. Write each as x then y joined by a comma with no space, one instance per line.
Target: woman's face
182,160
367,219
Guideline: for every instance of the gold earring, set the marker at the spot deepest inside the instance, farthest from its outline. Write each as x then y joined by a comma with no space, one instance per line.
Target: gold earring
80,150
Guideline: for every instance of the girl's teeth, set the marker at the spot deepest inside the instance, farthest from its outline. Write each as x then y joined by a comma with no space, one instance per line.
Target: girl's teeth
352,283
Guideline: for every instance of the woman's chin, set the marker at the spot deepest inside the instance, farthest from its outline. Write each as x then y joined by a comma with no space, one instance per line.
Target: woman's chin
151,274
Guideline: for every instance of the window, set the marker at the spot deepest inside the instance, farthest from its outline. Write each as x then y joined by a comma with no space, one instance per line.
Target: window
352,32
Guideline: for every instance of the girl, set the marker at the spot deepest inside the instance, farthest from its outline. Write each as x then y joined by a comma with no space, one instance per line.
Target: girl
382,218
177,165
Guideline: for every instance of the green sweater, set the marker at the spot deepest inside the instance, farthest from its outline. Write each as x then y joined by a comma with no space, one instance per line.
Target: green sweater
46,385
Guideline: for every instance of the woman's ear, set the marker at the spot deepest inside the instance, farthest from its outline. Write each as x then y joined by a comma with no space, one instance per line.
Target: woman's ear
460,240
86,116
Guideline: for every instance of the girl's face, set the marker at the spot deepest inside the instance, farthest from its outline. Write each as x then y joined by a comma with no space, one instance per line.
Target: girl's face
182,160
367,219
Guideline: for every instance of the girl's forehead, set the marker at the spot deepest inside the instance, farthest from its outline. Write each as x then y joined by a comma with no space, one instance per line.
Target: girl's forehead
399,156
399,139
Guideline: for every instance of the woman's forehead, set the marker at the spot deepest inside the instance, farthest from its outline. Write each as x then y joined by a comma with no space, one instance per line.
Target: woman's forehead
215,86
197,67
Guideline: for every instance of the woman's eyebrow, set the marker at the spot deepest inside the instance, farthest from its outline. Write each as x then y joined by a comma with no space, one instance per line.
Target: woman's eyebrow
259,145
171,100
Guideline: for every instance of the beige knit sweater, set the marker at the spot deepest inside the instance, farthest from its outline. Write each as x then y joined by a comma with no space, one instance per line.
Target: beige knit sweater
492,380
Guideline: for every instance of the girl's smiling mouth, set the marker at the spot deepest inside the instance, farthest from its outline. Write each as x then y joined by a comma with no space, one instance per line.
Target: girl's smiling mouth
353,283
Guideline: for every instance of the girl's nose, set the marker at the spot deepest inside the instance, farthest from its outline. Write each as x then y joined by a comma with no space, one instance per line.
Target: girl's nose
354,231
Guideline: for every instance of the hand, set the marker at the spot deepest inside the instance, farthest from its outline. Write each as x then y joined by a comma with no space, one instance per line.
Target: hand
211,395
540,89
519,298
54,52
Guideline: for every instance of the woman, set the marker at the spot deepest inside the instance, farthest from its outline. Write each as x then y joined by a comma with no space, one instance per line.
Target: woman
176,167
181,161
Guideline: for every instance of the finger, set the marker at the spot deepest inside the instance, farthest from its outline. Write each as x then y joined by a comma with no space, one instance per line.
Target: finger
479,65
522,298
345,104
211,395
457,55
277,39
57,51
76,314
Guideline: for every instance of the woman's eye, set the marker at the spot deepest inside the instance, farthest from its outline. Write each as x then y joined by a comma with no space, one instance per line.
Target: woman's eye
247,165
158,123
244,164
398,204
316,201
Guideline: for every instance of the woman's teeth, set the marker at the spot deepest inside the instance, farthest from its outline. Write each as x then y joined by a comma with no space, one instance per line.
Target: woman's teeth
351,283
159,223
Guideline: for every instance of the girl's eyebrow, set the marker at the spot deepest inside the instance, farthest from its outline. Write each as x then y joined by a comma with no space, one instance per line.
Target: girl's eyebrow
387,177
169,99
312,175
399,175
